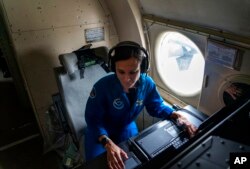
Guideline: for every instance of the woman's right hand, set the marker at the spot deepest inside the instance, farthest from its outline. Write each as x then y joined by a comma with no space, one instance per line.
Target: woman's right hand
115,156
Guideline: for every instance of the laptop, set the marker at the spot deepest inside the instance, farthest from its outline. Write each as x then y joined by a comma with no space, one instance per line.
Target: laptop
166,134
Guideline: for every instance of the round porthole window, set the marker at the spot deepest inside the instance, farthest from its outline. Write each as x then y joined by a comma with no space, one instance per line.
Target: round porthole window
180,63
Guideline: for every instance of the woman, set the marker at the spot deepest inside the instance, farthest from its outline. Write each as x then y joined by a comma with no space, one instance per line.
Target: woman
117,99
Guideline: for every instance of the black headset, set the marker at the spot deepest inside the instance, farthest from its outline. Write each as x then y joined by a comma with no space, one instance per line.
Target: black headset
111,56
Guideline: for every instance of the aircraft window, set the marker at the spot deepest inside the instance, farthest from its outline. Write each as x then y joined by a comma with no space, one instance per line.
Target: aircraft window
180,64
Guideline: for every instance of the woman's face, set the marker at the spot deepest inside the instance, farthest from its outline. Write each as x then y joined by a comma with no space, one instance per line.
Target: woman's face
128,72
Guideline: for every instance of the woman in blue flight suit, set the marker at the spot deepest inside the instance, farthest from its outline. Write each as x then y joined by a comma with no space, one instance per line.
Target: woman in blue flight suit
117,99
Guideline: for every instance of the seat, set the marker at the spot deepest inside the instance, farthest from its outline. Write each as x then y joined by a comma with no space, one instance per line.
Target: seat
74,90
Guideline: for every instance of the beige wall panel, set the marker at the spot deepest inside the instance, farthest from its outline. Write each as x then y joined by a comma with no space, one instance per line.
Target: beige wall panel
46,14
58,40
41,30
38,51
127,25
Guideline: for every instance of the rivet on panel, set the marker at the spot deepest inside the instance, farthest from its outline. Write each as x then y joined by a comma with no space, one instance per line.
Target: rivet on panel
179,164
241,147
198,164
227,160
222,141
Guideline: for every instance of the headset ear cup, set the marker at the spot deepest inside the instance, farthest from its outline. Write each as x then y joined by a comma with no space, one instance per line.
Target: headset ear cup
145,61
112,65
144,65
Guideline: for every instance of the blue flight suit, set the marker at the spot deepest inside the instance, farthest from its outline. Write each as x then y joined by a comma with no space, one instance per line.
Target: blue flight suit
109,111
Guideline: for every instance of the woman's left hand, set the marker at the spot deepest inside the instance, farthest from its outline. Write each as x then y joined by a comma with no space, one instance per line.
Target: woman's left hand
183,121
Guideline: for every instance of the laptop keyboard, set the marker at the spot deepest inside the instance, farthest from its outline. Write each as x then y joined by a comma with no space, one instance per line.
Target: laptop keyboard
178,142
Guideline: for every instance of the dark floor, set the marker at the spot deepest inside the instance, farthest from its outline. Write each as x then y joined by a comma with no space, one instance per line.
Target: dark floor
29,155
16,122
17,127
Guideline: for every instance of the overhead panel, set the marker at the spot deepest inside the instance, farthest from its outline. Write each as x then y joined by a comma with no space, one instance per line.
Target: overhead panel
225,15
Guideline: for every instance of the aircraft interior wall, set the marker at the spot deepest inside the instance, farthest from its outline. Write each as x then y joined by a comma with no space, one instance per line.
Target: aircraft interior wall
201,21
216,75
41,30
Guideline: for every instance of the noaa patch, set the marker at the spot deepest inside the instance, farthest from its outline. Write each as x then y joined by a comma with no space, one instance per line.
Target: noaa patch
118,104
92,93
139,102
